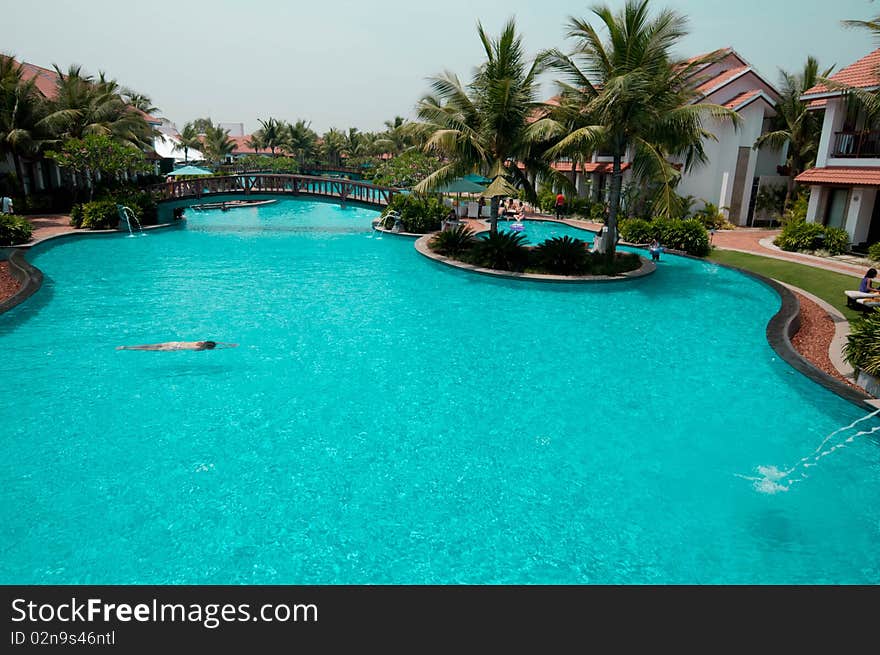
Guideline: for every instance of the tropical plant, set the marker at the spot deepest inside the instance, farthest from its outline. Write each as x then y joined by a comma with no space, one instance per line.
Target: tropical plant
99,154
628,96
272,134
483,127
874,252
687,234
100,215
562,255
14,230
84,105
256,141
333,146
418,214
216,144
862,347
139,101
794,125
712,216
24,129
800,235
453,242
406,170
504,251
189,138
636,230
301,142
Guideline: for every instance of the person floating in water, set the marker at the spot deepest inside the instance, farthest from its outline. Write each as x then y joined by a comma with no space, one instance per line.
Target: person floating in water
180,345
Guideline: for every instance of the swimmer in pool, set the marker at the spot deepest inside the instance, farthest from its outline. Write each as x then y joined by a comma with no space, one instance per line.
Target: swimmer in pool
180,345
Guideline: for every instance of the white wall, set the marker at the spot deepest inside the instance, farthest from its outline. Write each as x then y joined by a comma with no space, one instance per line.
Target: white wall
859,213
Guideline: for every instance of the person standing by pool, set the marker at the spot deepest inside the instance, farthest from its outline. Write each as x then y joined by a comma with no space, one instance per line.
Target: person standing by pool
655,249
180,345
867,283
6,205
560,204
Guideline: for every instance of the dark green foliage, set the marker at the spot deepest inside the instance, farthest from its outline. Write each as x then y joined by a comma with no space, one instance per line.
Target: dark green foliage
687,234
862,348
598,264
562,256
800,235
836,240
418,214
100,215
453,242
504,251
874,252
141,203
14,230
405,170
76,215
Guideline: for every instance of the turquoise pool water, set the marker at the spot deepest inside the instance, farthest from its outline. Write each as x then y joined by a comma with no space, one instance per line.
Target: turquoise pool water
388,420
536,232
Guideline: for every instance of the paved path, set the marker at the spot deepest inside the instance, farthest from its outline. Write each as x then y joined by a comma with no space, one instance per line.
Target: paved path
49,225
760,242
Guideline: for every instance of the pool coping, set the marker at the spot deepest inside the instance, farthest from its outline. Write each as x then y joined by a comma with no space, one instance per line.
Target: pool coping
422,248
31,277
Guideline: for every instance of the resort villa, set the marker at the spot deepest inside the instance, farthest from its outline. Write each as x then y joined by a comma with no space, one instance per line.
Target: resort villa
735,171
846,178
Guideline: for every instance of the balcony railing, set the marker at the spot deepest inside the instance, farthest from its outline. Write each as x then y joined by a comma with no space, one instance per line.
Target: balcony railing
857,144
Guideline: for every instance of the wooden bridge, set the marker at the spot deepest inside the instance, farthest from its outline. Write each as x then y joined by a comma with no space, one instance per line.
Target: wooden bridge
294,185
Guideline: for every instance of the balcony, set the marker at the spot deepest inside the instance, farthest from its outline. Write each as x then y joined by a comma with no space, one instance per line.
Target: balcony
864,144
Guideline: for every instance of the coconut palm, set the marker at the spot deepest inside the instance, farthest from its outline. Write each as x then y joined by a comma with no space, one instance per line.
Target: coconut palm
482,127
794,125
139,101
272,134
189,138
84,105
23,126
301,141
333,146
257,141
631,98
217,144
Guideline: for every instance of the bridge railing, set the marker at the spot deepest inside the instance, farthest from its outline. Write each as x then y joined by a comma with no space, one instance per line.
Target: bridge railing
274,183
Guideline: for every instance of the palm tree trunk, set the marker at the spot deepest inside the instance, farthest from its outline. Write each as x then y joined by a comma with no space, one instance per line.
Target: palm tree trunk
493,214
614,206
19,172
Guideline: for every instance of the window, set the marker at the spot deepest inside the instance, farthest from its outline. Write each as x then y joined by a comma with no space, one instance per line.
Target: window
835,215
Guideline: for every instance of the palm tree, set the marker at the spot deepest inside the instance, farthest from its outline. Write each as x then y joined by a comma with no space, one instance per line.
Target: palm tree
333,146
189,138
23,125
633,98
794,125
272,134
84,105
217,144
139,101
482,127
301,140
257,141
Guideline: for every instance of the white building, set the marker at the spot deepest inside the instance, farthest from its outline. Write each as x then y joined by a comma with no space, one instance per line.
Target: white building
846,178
734,171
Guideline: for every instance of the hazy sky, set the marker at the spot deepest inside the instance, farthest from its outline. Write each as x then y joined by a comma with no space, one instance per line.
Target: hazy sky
349,63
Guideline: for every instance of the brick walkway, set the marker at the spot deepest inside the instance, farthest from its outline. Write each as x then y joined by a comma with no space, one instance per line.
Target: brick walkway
48,225
748,240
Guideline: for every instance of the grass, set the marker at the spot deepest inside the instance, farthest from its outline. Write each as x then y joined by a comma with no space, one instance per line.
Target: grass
827,285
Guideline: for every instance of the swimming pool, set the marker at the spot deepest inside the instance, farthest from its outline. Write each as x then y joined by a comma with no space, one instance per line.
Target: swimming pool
386,419
536,232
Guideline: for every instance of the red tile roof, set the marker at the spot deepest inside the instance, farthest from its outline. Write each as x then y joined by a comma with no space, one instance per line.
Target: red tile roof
742,99
863,74
588,167
817,104
720,80
842,175
46,80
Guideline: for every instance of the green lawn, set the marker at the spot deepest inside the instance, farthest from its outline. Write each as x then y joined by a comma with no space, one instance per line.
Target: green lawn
826,285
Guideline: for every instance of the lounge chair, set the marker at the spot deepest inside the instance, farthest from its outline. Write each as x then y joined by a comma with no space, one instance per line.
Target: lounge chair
853,297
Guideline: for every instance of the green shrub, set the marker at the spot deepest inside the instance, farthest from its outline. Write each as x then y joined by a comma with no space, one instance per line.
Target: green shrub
598,264
100,215
505,251
14,230
797,211
578,206
800,235
418,214
687,234
561,256
547,199
597,212
636,230
836,240
141,203
453,242
712,217
862,348
874,252
76,215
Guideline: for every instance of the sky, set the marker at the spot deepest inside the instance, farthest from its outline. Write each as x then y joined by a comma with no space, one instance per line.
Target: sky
350,63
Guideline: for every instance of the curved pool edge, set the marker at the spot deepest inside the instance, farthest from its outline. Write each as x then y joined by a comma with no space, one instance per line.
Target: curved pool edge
30,276
783,325
422,248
